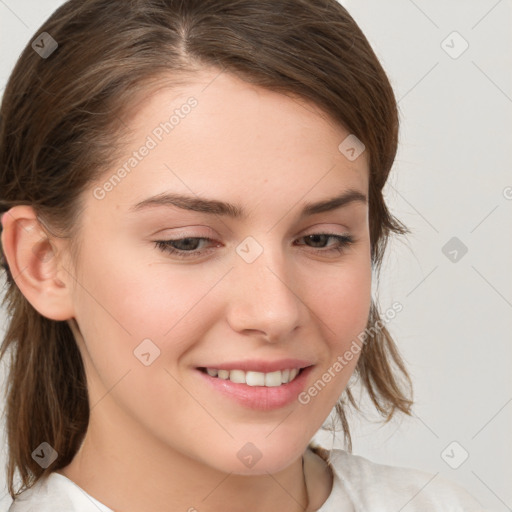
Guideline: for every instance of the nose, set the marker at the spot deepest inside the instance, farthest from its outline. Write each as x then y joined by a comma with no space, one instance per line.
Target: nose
264,300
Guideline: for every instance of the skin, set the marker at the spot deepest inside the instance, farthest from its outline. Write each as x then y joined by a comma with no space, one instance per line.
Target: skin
158,435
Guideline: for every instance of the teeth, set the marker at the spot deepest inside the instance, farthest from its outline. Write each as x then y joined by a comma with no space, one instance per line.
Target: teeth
254,378
237,376
223,374
271,379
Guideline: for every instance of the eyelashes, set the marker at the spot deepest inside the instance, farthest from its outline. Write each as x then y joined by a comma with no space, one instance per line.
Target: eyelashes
342,242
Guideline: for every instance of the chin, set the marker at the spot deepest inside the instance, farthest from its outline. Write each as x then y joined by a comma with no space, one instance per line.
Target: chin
258,456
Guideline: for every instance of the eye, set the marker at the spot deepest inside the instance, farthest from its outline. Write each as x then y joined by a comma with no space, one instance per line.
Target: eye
341,242
188,247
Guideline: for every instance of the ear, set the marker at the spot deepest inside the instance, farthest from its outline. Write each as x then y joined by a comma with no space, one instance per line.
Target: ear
34,259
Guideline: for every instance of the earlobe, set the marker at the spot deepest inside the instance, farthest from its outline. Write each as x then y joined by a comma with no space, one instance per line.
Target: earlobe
35,264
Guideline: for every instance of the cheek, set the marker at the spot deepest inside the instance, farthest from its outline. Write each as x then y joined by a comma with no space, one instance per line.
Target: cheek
119,309
341,299
138,314
342,303
174,306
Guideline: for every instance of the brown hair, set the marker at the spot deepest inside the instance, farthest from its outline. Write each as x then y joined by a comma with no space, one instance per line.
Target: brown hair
61,126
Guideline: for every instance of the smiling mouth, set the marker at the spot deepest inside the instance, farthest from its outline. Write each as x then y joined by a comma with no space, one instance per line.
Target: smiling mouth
250,378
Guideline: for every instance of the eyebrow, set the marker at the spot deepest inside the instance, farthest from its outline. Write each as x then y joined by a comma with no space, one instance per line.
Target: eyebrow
236,211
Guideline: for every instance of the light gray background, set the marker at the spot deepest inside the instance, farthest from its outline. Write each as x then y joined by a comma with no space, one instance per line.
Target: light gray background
450,180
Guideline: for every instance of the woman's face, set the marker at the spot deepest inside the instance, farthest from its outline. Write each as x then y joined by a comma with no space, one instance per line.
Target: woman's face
265,292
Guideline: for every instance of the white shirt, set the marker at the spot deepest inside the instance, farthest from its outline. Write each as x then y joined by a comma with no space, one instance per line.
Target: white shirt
359,485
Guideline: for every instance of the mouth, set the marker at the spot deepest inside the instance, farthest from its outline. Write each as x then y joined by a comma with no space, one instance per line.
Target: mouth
258,390
251,378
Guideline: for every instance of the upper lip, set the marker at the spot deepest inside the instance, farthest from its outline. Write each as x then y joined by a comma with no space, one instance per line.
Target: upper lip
261,365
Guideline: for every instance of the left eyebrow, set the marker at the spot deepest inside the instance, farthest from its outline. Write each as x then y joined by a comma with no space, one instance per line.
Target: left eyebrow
236,211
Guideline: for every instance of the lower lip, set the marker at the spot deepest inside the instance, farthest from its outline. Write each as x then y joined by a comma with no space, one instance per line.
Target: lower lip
261,398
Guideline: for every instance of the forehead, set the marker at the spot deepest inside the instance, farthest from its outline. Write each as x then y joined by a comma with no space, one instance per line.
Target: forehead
215,134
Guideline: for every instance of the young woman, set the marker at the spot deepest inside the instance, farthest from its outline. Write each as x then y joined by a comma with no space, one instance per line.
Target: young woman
192,213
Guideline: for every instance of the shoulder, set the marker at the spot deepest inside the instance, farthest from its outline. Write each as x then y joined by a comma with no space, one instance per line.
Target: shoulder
373,486
56,493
